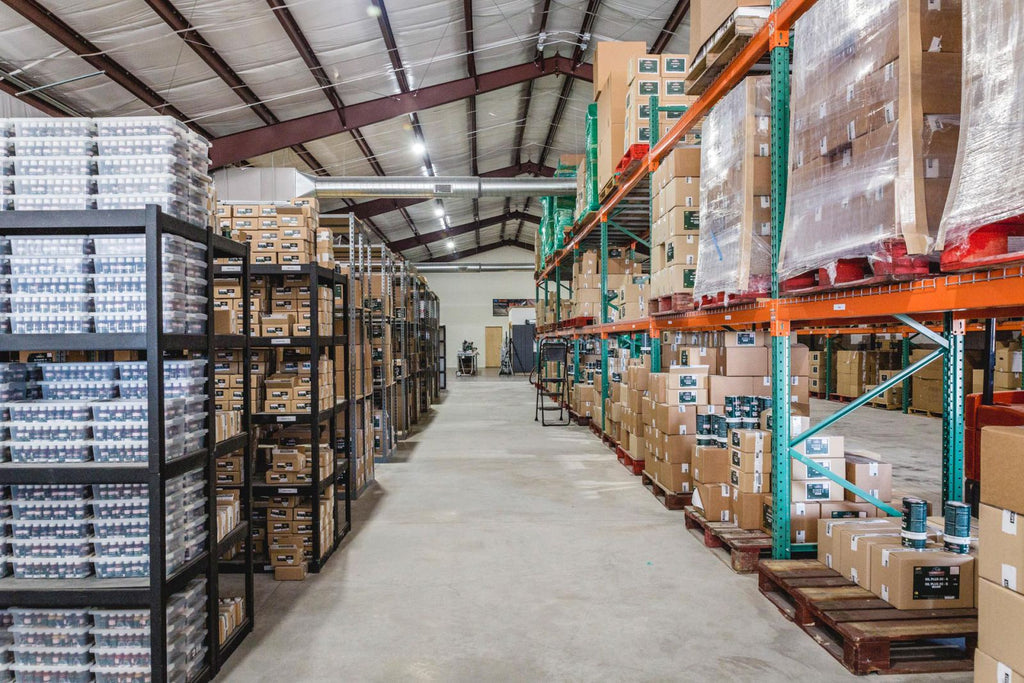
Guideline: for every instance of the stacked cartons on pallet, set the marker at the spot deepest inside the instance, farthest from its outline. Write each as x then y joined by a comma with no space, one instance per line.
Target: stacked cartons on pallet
658,75
874,130
1000,656
624,277
735,207
1008,366
675,222
857,370
819,371
282,234
611,79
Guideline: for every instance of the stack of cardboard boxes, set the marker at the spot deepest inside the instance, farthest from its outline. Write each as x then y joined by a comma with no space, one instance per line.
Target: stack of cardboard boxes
735,192
1000,656
290,390
675,222
707,18
820,372
279,233
625,283
857,370
875,127
621,69
290,313
1008,366
289,533
230,615
662,76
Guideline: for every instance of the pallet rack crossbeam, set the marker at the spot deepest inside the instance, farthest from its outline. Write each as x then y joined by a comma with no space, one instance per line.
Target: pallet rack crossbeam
923,330
866,398
627,233
852,488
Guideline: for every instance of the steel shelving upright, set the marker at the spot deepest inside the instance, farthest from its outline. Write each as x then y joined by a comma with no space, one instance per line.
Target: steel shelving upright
945,302
150,593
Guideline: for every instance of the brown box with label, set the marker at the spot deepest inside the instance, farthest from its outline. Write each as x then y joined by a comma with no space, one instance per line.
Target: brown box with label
675,477
1000,624
750,482
715,501
711,465
870,475
932,578
828,534
1001,550
743,361
816,491
803,519
746,509
1002,461
291,573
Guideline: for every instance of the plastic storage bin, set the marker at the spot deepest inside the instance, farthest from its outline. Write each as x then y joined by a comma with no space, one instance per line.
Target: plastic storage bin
43,127
142,145
49,618
142,184
45,304
52,567
49,245
122,546
124,409
48,431
50,452
121,508
52,674
49,548
113,528
44,492
51,323
52,185
49,284
58,529
121,656
116,491
49,510
121,619
135,126
50,656
40,202
141,165
122,674
122,567
79,372
51,637
120,637
46,411
120,451
61,265
78,391
77,165
71,146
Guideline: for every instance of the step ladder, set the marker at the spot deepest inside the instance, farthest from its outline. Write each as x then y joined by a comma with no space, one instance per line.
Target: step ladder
552,382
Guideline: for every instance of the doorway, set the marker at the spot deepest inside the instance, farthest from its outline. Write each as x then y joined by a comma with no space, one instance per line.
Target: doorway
493,338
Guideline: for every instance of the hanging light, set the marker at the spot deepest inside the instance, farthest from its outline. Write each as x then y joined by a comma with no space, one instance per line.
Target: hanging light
451,245
439,211
419,148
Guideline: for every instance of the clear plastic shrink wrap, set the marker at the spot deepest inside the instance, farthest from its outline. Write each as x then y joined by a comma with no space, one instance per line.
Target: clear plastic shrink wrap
986,199
735,189
873,135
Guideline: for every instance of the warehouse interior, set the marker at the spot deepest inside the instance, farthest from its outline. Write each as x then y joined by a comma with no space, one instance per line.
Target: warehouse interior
663,340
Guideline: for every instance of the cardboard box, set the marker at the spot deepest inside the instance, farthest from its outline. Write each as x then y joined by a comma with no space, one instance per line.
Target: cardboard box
755,441
743,361
822,446
711,465
1001,551
1000,624
715,501
852,551
819,491
989,670
750,482
746,509
676,477
1002,461
675,419
750,462
801,472
291,573
931,578
803,520
870,475
848,510
719,387
828,534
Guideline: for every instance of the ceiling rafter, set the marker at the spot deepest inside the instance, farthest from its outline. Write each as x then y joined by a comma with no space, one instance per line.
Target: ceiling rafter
480,250
236,147
376,207
589,17
467,15
57,29
188,33
456,230
671,26
17,90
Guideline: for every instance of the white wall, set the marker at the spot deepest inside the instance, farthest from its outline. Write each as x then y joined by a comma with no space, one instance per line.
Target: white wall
466,297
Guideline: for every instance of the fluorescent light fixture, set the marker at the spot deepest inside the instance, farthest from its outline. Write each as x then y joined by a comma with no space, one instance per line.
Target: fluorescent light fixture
418,147
451,245
439,211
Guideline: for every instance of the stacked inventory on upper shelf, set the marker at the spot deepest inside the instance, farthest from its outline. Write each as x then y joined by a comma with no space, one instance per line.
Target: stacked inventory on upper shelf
298,367
108,489
105,163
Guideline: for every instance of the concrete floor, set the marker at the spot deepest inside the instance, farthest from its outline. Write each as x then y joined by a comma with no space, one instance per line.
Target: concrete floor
494,549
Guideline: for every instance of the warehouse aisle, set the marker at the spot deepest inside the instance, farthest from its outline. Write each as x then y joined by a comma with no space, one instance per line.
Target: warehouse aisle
500,550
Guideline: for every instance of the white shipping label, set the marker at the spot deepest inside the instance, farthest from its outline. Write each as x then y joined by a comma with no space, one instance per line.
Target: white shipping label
801,509
890,71
682,429
851,130
766,202
725,515
847,158
685,467
1009,577
853,541
885,558
817,214
850,93
725,492
885,592
766,228
1004,674
1009,522
767,380
764,123
853,574
822,111
873,469
823,146
934,5
931,168
764,150
801,536
936,45
828,560
890,112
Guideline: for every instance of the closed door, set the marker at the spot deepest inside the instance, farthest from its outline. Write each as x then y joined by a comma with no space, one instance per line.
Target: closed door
492,347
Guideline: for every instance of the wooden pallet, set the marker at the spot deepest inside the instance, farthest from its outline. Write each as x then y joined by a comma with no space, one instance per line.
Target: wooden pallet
927,413
742,547
865,633
576,418
608,188
818,394
885,406
671,500
721,52
671,304
840,399
629,462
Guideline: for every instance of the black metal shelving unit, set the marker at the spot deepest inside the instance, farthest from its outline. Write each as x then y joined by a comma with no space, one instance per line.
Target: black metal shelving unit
245,443
315,344
151,593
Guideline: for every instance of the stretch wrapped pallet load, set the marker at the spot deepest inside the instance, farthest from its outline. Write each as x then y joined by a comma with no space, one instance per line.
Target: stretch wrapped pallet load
874,130
983,213
1000,655
735,178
